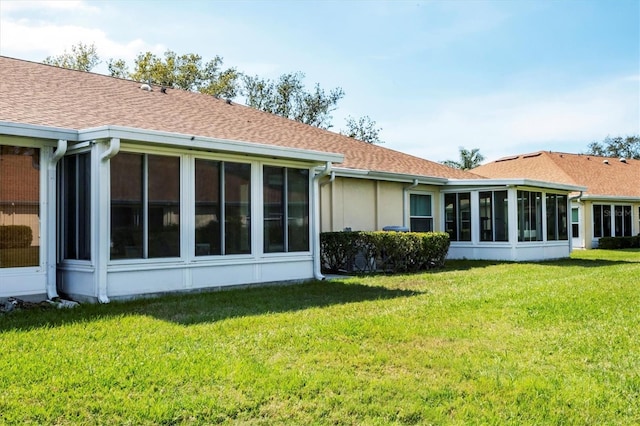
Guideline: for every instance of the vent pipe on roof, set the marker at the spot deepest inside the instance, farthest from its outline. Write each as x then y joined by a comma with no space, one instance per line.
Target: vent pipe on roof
623,160
605,161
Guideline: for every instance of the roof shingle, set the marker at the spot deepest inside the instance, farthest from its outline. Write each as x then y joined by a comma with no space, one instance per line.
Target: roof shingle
603,176
39,94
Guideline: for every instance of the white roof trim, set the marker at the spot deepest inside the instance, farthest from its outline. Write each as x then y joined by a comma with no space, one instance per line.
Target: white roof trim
206,143
388,176
36,131
515,182
166,138
625,198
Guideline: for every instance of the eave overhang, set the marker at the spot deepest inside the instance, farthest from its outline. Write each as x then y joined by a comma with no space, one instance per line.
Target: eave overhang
512,182
168,139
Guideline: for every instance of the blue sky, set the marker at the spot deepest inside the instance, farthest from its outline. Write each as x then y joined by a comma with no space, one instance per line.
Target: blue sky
506,77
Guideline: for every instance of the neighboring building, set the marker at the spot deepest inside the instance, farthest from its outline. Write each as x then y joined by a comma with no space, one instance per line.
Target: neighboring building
610,205
129,191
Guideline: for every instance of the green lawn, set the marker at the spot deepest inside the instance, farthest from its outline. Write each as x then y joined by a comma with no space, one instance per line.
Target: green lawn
476,343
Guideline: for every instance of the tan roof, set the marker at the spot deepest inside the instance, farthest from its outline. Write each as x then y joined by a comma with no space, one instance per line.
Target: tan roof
45,95
602,176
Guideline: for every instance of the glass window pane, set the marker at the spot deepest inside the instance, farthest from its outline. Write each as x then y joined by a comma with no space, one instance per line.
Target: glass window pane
552,231
421,224
626,221
420,205
237,208
273,194
501,212
164,206
19,207
464,207
606,220
574,215
451,216
298,209
207,221
76,201
597,220
563,218
486,216
126,206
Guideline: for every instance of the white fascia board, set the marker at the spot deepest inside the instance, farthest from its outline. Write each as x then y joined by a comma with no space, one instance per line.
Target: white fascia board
36,131
202,143
471,183
626,199
388,176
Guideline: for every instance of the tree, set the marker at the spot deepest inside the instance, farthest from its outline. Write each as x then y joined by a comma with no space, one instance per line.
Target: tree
469,159
363,129
288,98
182,71
82,58
628,147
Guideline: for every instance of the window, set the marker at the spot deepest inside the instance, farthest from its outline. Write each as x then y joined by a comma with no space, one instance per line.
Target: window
493,216
223,207
557,217
623,221
75,202
286,209
19,206
529,216
457,211
601,220
575,222
145,206
420,216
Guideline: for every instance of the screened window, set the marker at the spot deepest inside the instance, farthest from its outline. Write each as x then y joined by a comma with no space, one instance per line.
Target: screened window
223,206
529,216
601,220
623,221
457,210
145,206
420,216
493,216
75,200
286,209
575,222
19,206
557,228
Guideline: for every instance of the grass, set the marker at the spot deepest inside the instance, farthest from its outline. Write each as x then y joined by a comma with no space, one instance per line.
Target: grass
476,343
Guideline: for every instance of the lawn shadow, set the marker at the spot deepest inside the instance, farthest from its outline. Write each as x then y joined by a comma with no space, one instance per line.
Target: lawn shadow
209,306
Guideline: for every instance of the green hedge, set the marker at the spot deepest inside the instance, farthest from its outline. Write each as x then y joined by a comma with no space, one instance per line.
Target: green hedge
15,236
382,251
613,243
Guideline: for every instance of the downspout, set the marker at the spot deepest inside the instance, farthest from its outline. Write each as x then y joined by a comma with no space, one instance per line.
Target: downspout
317,274
102,255
405,191
52,223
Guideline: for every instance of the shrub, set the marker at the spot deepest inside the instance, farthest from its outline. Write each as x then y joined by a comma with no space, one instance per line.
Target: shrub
382,251
614,243
15,236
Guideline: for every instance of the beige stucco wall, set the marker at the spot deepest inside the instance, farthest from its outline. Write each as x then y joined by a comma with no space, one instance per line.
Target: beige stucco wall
367,205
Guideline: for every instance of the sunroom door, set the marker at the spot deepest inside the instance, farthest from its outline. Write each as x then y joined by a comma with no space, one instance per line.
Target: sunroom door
576,228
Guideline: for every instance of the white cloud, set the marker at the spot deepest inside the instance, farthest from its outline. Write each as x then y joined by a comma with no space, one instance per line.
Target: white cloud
515,122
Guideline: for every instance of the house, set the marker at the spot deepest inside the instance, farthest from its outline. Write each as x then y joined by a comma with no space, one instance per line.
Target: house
123,191
610,205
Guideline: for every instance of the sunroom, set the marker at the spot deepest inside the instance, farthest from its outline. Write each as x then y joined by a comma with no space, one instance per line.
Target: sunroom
507,219
140,212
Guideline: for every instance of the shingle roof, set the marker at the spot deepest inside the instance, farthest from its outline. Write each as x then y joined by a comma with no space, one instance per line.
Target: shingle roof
602,176
39,94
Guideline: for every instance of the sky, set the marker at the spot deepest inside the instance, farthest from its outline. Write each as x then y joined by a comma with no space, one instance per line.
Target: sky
507,77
